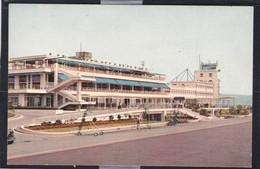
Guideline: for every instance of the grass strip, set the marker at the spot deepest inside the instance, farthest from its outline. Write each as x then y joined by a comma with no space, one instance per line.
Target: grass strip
11,115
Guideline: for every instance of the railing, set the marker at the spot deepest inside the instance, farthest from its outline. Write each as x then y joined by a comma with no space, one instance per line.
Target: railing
74,88
107,72
22,67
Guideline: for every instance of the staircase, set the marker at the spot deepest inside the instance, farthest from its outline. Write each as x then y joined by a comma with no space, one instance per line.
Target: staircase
76,103
69,82
193,114
67,95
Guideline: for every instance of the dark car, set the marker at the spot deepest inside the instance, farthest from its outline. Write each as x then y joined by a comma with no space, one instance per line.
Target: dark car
10,136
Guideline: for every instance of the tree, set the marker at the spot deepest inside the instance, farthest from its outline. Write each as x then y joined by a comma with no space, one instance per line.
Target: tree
94,119
119,117
145,115
239,108
231,109
130,116
111,118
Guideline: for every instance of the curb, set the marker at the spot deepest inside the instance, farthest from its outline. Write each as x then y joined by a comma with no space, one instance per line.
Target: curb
16,117
22,129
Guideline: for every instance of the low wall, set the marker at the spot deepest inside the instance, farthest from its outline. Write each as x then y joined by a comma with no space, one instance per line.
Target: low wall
38,111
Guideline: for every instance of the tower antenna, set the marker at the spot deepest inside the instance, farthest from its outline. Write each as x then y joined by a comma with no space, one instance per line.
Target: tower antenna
199,62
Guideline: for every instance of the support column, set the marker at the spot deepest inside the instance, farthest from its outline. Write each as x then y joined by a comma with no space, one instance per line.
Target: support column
21,100
163,115
56,67
79,84
55,101
27,82
105,105
43,81
31,82
16,82
43,100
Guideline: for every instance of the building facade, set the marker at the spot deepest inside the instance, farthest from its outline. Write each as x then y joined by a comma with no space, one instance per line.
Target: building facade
79,82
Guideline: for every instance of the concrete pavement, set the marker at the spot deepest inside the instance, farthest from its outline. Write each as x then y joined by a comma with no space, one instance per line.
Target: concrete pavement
28,144
215,145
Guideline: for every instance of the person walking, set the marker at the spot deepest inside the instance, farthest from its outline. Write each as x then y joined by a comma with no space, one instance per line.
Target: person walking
138,123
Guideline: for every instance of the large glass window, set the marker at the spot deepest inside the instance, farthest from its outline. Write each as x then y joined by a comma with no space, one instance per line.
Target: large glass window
33,101
14,101
36,81
22,82
11,82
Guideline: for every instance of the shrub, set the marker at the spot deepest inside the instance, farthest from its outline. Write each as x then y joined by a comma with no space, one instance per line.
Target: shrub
58,122
83,120
119,117
130,116
46,123
111,118
145,115
94,119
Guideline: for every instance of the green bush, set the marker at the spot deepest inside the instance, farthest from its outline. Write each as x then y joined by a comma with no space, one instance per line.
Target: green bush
46,123
119,117
130,116
58,122
111,118
94,119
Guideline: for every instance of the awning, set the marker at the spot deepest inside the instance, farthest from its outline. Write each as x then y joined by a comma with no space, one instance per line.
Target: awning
63,77
164,86
25,74
146,84
130,83
106,80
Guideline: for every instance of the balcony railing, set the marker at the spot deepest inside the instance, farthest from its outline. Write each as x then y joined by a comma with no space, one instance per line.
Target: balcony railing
74,88
107,72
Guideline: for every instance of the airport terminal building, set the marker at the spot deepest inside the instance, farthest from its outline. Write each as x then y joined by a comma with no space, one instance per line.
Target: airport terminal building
79,82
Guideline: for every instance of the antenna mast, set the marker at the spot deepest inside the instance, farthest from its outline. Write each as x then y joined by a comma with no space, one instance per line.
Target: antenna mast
199,62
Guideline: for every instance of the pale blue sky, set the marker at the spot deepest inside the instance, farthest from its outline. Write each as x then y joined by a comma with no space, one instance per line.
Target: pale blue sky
168,38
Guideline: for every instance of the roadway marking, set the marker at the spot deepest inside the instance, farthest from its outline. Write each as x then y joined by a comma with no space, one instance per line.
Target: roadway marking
114,142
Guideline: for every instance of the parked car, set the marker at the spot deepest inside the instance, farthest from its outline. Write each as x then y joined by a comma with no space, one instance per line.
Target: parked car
10,136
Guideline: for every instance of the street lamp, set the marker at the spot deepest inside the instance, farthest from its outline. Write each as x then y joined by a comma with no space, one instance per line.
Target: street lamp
146,109
81,124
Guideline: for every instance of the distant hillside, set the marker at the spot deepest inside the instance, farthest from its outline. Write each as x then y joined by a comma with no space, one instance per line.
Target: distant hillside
240,99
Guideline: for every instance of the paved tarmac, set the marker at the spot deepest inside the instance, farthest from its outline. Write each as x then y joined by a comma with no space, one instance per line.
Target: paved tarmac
227,146
196,138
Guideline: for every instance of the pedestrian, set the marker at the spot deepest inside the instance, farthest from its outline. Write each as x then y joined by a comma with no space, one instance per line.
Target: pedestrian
138,123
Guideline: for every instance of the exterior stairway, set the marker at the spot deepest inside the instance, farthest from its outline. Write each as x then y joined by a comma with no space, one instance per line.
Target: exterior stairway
192,113
67,95
75,103
69,82
72,100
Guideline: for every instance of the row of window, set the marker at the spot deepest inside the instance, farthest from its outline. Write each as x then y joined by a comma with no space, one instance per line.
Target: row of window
202,74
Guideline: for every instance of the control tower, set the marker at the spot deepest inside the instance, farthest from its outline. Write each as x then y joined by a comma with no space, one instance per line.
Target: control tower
209,73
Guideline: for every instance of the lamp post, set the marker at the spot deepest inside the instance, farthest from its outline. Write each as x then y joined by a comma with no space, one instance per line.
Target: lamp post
81,124
146,109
